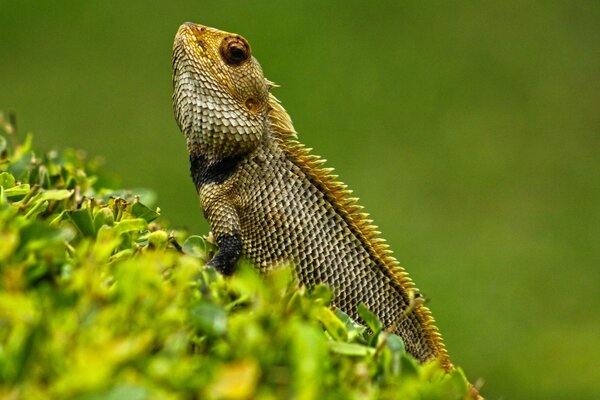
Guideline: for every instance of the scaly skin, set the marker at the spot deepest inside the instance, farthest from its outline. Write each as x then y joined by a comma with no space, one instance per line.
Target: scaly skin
268,199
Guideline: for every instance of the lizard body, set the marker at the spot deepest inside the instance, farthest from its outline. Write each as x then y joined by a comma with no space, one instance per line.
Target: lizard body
267,198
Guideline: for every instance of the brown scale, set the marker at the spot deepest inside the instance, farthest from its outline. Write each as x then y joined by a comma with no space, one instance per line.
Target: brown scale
258,184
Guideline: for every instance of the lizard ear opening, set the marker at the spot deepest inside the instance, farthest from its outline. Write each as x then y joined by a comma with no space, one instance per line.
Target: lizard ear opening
252,104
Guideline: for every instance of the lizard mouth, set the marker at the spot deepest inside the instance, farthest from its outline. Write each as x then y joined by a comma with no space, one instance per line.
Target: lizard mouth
190,28
188,36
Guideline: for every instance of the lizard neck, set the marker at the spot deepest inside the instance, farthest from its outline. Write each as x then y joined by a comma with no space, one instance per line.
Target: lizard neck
215,125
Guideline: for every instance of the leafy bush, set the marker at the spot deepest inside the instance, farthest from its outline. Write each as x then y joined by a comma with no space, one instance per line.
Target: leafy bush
98,301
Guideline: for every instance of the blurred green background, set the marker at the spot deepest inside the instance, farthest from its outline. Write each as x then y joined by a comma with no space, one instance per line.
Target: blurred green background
470,130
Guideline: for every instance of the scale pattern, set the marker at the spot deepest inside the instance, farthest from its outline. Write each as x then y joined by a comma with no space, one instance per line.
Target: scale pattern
257,183
287,217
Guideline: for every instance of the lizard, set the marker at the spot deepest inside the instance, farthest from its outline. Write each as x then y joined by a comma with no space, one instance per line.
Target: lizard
269,199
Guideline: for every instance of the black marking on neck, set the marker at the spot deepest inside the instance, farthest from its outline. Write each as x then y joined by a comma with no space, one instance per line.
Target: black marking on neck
219,171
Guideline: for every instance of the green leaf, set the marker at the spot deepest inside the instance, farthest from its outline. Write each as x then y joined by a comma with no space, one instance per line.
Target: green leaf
56,195
82,219
209,317
6,180
352,327
139,210
459,380
351,349
18,190
370,319
104,216
121,255
158,239
408,366
395,343
119,392
195,246
130,225
39,235
332,323
396,346
19,167
22,358
39,207
309,350
321,293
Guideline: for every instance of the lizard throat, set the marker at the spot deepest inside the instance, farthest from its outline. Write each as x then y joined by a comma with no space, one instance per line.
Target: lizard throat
215,125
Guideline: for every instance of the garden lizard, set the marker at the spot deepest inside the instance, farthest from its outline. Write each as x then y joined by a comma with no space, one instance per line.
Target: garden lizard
267,198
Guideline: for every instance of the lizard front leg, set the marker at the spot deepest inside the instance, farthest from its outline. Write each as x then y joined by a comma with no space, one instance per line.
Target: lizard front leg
230,250
219,206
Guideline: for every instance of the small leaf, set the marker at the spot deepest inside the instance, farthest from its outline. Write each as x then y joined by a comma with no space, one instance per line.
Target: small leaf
139,210
130,225
158,239
58,218
459,380
195,246
322,293
309,349
19,167
236,380
209,318
353,328
332,324
55,194
396,346
119,392
121,255
6,180
395,343
39,207
37,235
370,319
408,366
82,219
351,349
104,216
19,190
23,358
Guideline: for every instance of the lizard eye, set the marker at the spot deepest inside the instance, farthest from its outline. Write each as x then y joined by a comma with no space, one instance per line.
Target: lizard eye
235,50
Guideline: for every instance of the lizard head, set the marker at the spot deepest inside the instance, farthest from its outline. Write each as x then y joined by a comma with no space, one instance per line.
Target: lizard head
220,95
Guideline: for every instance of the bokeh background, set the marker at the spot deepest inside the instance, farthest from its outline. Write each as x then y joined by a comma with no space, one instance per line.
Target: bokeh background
470,130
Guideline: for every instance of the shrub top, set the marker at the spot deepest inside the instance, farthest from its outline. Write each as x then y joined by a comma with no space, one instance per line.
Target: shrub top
99,301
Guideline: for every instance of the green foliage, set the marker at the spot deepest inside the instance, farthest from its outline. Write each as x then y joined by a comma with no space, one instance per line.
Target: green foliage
97,301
